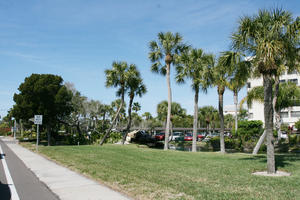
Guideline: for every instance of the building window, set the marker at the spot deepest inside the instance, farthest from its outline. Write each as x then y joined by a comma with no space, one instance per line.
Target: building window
282,81
249,85
294,81
295,113
284,114
250,115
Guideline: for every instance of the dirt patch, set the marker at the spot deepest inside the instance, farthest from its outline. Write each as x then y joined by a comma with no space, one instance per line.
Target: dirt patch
277,174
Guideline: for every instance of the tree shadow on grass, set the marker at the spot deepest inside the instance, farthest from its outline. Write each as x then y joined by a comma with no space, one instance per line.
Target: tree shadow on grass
281,160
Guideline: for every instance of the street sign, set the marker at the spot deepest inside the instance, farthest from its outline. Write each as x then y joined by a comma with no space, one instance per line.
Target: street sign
38,119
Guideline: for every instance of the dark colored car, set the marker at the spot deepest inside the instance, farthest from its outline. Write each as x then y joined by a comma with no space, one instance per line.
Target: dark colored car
188,137
160,136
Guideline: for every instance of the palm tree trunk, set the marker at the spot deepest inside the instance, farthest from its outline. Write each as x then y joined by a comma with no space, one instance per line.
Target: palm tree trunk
194,145
112,124
259,143
166,146
235,99
207,128
222,142
276,112
114,120
268,112
129,119
171,131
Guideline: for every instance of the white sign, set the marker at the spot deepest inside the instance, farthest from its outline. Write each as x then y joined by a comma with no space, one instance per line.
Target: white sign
38,119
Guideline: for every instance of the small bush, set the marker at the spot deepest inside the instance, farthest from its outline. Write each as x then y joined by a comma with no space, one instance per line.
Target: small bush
297,125
114,137
230,143
249,130
294,140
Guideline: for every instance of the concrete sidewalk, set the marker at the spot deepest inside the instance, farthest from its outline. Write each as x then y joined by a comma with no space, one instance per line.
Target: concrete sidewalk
66,184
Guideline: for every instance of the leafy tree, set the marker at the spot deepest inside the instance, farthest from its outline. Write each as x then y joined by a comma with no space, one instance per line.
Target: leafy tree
271,37
250,129
42,94
297,125
229,121
195,65
243,114
168,47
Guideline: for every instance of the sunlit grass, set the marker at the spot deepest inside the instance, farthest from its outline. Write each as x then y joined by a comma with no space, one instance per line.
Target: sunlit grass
144,173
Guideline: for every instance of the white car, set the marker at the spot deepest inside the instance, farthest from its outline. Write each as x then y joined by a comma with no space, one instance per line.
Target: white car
284,135
175,135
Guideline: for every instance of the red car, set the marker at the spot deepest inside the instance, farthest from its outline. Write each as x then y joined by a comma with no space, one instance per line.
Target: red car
200,136
160,136
188,137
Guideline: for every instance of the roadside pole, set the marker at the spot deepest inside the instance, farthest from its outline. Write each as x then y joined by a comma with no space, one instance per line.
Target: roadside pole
38,120
15,129
37,138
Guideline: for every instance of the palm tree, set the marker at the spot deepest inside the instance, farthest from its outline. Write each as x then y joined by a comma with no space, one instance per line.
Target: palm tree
288,94
135,86
208,115
194,65
136,106
221,74
147,116
241,72
168,47
271,38
116,77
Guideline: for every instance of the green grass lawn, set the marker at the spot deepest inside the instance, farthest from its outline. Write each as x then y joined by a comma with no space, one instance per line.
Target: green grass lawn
144,173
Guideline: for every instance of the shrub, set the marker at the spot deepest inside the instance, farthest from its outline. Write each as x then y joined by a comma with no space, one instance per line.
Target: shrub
297,125
248,130
4,129
230,143
294,140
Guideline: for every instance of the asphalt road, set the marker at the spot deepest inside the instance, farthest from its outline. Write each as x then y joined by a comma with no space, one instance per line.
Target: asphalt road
27,185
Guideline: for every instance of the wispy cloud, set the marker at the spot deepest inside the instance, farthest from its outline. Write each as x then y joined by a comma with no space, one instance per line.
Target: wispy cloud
24,56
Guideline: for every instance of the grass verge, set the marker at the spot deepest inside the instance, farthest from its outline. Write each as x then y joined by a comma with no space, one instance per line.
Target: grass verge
144,173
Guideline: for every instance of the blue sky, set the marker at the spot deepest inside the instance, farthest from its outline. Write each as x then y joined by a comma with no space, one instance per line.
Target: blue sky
79,39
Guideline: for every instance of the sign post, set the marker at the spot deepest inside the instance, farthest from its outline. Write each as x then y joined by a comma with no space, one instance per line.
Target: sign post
38,120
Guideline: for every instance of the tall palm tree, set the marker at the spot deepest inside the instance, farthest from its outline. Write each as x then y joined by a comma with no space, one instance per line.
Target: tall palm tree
221,75
194,65
271,38
166,48
135,86
116,77
241,72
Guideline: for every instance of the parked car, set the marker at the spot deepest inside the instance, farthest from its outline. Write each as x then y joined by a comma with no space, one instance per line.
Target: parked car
176,135
284,135
160,136
200,136
188,137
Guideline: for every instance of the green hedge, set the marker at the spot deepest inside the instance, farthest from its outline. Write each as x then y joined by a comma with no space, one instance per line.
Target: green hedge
250,130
